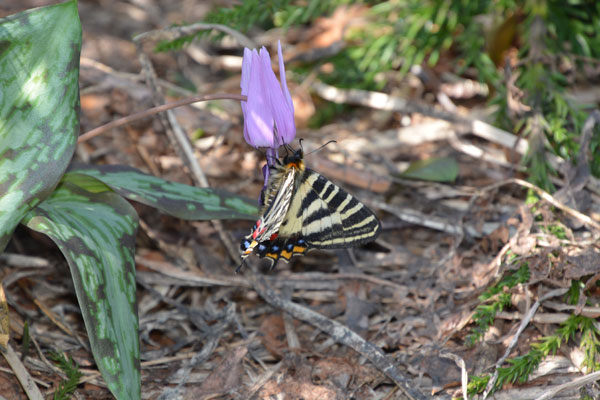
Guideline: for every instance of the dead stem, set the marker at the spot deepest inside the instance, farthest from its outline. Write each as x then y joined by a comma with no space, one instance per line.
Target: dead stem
155,110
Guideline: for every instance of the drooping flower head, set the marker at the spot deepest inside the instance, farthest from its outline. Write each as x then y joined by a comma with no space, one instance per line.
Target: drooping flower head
269,111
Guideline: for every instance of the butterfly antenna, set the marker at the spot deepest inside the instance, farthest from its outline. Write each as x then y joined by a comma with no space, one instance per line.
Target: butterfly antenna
239,268
320,147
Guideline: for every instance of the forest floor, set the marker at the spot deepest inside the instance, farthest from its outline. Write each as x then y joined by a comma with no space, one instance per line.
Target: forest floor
207,333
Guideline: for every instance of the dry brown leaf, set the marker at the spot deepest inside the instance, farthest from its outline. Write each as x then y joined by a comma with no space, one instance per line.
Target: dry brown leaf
335,371
328,30
585,263
296,383
225,378
443,372
273,335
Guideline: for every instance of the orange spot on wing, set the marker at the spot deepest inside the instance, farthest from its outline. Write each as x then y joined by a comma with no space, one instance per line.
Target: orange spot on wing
299,249
286,254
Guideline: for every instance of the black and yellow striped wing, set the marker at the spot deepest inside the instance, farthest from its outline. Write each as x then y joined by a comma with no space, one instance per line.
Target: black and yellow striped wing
326,216
305,210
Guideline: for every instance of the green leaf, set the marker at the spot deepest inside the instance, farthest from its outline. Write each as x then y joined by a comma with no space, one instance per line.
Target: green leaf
95,231
443,169
39,106
179,200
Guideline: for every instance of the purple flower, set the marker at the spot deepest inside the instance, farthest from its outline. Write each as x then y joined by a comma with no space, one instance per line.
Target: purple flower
269,111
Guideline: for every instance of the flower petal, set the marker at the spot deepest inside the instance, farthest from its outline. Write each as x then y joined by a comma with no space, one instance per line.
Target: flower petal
284,86
281,112
246,64
245,84
259,114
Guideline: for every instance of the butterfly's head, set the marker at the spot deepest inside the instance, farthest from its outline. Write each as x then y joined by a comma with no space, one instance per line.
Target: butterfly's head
294,160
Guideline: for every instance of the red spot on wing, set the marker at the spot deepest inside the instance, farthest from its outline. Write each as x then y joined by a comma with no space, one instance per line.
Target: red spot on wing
257,231
273,236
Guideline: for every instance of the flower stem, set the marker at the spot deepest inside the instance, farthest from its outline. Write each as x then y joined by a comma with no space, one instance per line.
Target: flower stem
154,110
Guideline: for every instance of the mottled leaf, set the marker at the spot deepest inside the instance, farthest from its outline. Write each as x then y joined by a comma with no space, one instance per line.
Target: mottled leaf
95,230
39,106
179,200
443,169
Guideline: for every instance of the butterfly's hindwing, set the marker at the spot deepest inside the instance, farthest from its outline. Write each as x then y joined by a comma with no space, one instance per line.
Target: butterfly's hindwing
282,248
327,216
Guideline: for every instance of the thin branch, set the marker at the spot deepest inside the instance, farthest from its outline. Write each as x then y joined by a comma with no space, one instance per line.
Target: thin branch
574,384
549,198
25,379
181,142
338,332
169,34
155,110
464,377
513,342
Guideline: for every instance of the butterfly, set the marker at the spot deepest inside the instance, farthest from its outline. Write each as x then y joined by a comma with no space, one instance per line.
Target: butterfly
303,210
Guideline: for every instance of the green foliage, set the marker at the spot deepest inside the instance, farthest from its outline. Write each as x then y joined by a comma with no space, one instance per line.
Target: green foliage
572,296
509,281
95,230
437,169
500,299
554,38
70,368
521,367
595,149
259,14
590,343
477,384
179,200
557,230
84,212
39,106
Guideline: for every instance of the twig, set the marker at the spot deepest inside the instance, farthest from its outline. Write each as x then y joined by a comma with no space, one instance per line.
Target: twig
549,198
574,384
29,386
181,143
415,217
540,318
170,34
20,260
128,76
155,110
338,332
464,377
513,342
185,371
383,101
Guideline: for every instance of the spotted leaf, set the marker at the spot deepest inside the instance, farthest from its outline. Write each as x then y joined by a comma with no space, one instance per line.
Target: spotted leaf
179,200
39,106
94,228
